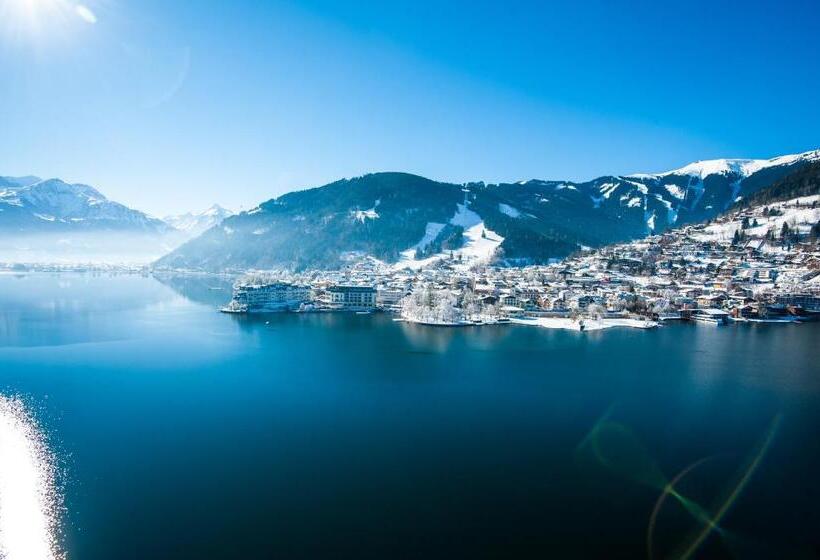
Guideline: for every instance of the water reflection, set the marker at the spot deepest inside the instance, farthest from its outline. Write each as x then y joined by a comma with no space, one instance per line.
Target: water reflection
34,308
423,338
208,289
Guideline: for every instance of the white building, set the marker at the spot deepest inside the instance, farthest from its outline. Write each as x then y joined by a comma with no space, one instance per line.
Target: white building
260,298
353,297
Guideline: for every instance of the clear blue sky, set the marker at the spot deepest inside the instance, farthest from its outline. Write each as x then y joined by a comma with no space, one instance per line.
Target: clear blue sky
172,105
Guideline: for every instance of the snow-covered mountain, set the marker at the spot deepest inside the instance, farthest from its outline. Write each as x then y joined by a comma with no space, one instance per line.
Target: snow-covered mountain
54,221
407,220
30,205
739,167
16,182
193,224
695,192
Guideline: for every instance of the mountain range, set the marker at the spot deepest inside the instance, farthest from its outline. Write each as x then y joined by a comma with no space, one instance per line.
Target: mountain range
32,205
399,218
55,221
411,221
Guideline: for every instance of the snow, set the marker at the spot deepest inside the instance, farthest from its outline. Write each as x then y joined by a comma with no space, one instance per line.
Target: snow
480,243
671,213
432,307
643,189
508,210
741,167
54,200
362,215
800,218
607,189
735,192
589,324
195,223
698,188
650,222
408,256
675,191
634,202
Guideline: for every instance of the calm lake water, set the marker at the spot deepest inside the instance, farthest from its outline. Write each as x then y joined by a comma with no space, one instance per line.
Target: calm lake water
185,433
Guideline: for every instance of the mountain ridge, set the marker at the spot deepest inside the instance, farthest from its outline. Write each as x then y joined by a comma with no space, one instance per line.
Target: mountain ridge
193,224
53,204
385,215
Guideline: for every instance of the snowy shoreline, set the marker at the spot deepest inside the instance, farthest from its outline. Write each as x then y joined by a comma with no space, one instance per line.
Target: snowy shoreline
588,324
547,323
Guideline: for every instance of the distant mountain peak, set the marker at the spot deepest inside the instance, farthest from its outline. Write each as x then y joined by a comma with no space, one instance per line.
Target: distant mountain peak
740,167
193,224
48,190
54,204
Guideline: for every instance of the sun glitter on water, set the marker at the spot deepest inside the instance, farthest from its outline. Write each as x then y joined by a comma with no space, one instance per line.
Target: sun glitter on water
29,500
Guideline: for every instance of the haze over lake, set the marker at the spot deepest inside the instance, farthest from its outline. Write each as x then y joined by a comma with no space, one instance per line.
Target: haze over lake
181,432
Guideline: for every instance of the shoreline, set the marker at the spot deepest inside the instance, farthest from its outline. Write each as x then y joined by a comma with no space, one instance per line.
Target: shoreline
588,324
561,323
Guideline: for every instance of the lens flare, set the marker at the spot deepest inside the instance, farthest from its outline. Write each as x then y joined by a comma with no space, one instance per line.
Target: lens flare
615,447
669,490
85,14
29,502
745,475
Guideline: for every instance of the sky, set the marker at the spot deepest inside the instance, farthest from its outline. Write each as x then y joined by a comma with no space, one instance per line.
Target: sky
169,106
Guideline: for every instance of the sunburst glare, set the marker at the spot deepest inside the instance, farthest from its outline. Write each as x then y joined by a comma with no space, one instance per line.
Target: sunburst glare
40,20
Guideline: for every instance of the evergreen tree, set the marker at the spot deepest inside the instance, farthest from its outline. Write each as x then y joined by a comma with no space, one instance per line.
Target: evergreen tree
815,231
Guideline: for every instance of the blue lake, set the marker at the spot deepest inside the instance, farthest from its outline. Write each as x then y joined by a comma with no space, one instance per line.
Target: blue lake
185,433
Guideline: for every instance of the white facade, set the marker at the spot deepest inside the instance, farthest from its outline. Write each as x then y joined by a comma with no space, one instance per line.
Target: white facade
356,297
280,296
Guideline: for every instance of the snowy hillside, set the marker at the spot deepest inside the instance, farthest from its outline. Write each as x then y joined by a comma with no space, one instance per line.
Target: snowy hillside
479,243
798,215
739,167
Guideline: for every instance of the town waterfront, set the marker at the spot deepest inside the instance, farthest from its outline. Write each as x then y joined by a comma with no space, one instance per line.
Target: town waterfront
181,432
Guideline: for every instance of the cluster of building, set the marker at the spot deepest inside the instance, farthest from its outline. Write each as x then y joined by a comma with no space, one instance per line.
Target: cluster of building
747,266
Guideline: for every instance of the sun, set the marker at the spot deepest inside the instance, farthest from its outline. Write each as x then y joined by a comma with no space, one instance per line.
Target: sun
37,19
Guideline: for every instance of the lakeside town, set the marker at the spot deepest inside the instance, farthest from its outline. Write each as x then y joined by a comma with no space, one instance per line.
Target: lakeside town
754,265
757,264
